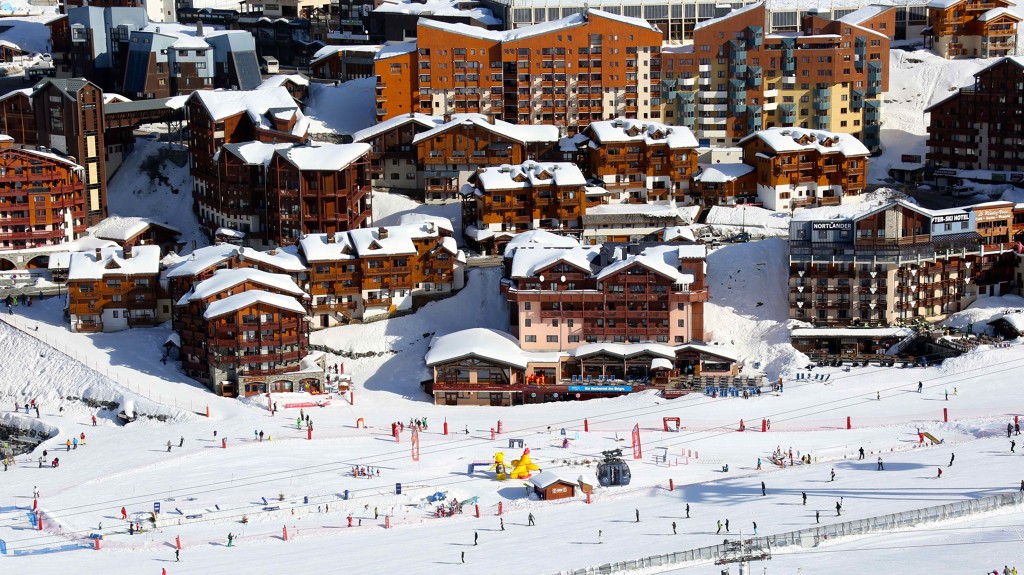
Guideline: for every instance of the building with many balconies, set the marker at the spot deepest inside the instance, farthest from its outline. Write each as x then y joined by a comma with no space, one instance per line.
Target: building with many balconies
971,28
113,289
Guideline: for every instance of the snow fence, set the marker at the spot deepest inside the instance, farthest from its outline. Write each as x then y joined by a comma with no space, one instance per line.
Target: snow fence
813,536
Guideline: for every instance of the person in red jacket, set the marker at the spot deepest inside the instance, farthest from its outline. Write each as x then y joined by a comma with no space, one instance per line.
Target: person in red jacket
124,513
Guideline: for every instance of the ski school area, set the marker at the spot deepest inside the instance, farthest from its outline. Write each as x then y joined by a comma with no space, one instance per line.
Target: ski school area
364,481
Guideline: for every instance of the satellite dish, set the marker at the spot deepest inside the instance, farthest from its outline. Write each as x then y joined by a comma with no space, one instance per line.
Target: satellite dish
541,278
562,279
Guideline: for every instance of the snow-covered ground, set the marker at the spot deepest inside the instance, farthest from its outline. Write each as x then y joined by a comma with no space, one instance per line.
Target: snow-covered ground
154,182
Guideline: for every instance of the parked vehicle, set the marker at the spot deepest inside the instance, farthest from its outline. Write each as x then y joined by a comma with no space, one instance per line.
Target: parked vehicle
269,65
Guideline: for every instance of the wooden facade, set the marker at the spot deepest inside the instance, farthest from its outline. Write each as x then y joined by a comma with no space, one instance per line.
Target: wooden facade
245,347
42,199
114,289
972,28
394,163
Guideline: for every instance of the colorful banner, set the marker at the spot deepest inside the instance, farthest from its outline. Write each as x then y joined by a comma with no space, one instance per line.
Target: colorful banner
637,451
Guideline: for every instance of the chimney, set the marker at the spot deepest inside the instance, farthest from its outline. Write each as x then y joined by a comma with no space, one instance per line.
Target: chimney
430,227
157,29
447,117
382,233
99,253
330,238
199,28
493,118
127,253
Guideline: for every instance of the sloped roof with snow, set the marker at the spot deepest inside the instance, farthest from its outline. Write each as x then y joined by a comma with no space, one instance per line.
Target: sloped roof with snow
528,262
788,140
721,173
223,280
866,13
679,233
1015,319
317,248
490,344
625,349
368,241
397,49
423,120
662,260
419,219
430,8
251,298
535,238
621,130
328,51
282,79
530,174
144,260
996,13
324,157
221,104
285,259
122,228
525,32
545,479
517,132
252,153
734,12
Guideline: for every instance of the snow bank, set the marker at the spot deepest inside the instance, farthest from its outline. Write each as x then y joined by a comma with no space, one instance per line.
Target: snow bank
983,311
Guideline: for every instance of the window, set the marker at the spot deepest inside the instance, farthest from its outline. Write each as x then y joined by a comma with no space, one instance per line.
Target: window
574,339
554,323
552,339
527,305
527,322
531,339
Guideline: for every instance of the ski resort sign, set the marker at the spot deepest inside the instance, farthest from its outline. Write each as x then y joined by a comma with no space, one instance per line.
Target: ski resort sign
601,388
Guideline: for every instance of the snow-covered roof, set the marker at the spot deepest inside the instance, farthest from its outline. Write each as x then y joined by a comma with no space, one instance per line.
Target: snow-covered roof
323,157
734,12
997,12
852,332
621,130
418,219
228,233
533,238
519,133
173,339
530,174
424,120
662,260
252,153
144,260
221,104
943,4
866,13
368,241
1015,319
525,32
528,262
317,248
721,173
396,49
285,259
725,351
62,260
696,251
654,210
328,51
223,280
661,363
679,233
251,298
281,79
625,349
430,8
122,229
545,479
491,344
787,140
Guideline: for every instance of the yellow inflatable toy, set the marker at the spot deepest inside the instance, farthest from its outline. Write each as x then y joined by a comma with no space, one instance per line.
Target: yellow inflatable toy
500,472
522,467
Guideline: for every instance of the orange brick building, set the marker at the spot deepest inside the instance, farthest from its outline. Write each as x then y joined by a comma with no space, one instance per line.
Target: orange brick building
113,289
42,198
588,66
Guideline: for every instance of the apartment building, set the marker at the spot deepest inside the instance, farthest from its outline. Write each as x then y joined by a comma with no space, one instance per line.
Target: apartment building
979,126
736,79
677,21
399,262
42,198
890,265
99,41
578,69
640,160
336,269
449,152
971,28
69,119
343,63
224,117
170,59
245,332
281,191
113,289
394,164
561,298
799,168
395,21
501,201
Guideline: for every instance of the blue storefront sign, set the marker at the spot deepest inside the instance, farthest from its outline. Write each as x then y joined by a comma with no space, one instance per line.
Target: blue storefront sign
601,388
